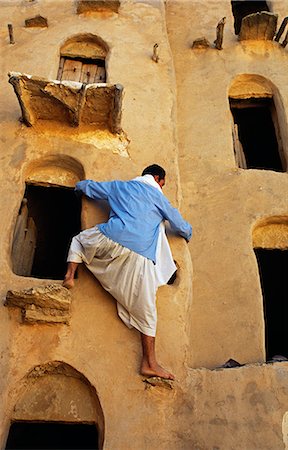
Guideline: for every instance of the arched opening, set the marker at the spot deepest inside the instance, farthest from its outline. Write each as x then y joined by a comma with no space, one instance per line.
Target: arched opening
49,215
242,8
270,242
83,59
258,124
57,409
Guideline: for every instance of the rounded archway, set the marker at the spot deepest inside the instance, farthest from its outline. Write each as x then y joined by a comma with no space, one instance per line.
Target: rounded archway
83,59
270,243
57,402
271,233
49,216
58,170
259,123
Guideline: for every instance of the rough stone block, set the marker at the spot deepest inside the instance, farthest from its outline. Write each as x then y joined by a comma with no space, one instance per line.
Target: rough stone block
158,382
34,314
201,43
36,22
42,304
49,296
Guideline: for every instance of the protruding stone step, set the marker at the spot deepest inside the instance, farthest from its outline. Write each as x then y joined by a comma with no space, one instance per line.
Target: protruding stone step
158,382
49,303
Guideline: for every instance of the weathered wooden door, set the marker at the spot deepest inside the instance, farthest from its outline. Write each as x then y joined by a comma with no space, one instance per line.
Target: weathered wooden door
24,242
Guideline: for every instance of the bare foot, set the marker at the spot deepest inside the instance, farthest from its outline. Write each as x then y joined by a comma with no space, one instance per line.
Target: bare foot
68,283
155,371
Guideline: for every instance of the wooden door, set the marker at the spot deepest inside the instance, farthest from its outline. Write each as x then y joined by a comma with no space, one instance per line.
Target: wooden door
24,242
238,148
71,70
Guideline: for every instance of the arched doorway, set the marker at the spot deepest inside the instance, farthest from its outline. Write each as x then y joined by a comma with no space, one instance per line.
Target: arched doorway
49,215
58,409
270,242
258,124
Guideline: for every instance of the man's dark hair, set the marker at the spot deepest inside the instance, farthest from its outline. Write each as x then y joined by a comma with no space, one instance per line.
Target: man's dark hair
154,169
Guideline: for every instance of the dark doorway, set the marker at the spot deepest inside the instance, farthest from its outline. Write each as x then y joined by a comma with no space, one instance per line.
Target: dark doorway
256,120
242,8
52,216
52,435
273,269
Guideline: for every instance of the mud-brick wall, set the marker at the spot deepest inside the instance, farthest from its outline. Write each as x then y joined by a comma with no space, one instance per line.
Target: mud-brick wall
223,202
223,409
96,344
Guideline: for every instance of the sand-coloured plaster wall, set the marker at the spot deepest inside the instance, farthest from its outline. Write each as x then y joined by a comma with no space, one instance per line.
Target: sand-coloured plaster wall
207,409
95,343
222,201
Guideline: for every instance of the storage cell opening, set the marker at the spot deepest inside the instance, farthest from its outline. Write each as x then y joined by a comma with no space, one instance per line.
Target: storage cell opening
273,269
242,8
48,219
256,134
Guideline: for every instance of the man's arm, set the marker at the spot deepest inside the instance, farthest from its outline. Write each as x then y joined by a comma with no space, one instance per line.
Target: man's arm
93,189
175,219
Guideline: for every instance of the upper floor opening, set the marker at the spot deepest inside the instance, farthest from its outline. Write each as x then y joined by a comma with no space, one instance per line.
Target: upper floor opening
83,59
258,124
270,242
242,8
48,218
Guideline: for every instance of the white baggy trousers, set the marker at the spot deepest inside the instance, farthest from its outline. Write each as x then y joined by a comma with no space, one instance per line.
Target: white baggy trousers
129,277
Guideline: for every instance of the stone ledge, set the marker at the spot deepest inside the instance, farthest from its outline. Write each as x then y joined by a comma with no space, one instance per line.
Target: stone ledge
42,304
71,102
158,382
36,22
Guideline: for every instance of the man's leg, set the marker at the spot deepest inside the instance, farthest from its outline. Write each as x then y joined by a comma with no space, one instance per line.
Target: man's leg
69,277
149,365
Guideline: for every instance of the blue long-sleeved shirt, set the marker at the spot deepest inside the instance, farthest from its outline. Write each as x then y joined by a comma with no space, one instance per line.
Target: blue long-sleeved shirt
137,209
